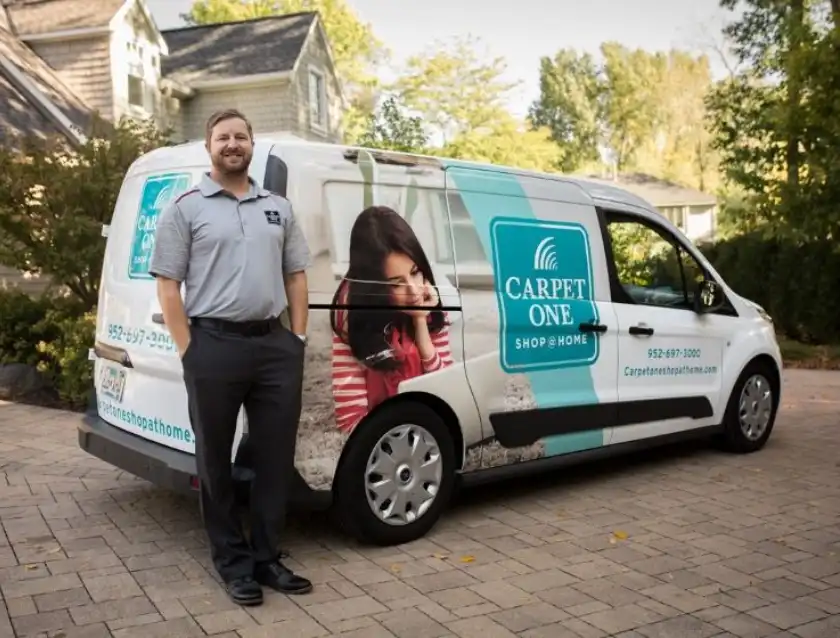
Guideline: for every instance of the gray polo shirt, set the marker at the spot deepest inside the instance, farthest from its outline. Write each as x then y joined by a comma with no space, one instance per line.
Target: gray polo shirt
231,253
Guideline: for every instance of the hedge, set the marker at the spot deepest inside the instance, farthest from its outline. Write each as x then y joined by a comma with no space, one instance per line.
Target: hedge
797,283
52,334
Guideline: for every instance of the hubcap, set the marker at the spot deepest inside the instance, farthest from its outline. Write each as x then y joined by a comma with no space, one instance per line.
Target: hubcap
403,474
755,407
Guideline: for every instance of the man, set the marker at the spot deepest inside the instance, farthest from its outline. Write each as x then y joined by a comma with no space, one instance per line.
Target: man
242,257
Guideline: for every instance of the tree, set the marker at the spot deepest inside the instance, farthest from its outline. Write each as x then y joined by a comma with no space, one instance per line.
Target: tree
391,129
507,143
455,91
571,106
646,109
775,123
356,50
54,201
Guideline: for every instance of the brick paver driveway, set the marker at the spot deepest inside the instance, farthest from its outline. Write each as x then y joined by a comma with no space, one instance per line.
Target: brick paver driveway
678,543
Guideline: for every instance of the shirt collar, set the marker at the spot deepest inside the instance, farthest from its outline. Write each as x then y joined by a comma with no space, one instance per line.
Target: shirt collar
210,187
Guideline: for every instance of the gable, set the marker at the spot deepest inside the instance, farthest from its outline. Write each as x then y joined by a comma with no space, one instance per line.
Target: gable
236,49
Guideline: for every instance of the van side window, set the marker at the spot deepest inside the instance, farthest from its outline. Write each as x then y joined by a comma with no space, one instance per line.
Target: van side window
650,265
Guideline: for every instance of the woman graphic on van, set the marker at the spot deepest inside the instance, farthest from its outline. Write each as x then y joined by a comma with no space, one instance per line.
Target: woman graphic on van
396,329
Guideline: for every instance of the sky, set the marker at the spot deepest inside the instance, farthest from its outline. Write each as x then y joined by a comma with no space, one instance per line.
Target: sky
536,28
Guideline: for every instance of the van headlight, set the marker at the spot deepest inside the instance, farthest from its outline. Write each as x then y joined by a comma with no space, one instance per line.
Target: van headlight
761,311
763,314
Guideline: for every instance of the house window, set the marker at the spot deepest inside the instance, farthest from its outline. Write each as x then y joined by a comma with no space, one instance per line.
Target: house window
141,92
317,99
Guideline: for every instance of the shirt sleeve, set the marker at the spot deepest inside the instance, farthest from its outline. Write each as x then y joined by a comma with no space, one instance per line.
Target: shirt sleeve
296,254
173,239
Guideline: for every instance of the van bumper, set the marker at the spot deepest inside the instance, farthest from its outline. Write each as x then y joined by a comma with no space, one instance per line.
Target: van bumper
172,469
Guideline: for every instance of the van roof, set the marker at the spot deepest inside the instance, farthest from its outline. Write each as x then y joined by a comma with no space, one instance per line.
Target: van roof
193,153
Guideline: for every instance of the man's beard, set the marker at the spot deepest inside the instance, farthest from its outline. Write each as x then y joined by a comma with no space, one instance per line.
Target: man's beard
220,165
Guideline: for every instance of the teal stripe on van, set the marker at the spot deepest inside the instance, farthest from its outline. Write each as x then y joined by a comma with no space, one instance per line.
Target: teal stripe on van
509,199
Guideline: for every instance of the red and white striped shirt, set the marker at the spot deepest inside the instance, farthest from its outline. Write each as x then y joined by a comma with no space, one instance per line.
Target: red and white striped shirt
358,389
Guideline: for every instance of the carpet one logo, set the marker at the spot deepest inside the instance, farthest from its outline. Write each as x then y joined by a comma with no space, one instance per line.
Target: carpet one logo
543,275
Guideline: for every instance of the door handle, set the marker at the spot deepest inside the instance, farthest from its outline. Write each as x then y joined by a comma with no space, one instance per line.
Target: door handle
641,330
592,327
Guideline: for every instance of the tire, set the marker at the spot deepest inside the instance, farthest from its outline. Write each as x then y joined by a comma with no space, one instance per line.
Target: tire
399,422
747,432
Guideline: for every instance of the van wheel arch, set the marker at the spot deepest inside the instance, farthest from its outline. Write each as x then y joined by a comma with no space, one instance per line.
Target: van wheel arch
432,414
731,439
437,404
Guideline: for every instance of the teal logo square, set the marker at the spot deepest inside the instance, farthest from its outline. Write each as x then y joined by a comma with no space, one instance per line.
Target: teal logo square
544,290
157,193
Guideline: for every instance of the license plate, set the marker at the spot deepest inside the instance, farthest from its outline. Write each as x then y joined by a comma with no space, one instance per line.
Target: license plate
113,383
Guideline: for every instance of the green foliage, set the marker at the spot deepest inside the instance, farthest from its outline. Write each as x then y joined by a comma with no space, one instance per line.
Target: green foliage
65,357
776,125
571,106
454,89
646,108
356,50
21,328
391,129
506,143
54,201
52,334
793,280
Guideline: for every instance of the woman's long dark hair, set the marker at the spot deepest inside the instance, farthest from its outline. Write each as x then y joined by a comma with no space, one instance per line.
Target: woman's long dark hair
377,232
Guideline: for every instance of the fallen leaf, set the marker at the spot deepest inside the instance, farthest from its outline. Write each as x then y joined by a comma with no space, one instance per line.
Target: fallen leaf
396,569
622,536
440,556
31,567
467,559
612,541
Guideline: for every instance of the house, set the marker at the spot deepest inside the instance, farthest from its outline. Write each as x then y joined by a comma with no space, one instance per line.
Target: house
692,211
64,61
111,56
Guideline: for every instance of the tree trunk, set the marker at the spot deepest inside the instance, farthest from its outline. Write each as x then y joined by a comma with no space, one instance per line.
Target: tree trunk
794,93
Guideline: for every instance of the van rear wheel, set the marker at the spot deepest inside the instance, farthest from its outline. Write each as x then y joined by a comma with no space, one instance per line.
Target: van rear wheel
397,475
751,411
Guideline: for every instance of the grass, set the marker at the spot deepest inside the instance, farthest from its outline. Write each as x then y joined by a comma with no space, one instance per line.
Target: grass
807,356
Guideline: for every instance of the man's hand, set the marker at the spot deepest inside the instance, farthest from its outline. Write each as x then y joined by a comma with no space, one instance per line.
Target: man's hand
174,315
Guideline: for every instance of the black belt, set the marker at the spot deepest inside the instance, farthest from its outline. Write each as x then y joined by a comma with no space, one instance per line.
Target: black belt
255,328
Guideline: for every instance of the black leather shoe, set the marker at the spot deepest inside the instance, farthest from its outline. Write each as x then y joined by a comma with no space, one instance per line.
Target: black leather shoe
244,591
280,578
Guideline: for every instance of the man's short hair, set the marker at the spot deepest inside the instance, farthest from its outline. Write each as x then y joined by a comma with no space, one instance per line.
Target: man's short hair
221,116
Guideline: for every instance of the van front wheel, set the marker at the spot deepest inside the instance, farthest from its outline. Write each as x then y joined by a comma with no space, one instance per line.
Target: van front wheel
751,412
397,475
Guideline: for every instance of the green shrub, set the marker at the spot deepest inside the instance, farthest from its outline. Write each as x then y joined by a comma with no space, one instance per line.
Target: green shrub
65,358
796,282
21,319
52,334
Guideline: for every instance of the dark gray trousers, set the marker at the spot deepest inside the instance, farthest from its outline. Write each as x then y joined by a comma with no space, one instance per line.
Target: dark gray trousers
223,371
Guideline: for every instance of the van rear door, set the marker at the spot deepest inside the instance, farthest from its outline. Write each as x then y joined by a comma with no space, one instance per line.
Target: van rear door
139,380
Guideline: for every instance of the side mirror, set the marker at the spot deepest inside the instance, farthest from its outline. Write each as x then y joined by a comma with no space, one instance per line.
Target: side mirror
708,297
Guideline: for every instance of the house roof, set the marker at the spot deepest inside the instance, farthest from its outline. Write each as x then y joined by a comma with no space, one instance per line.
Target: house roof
35,100
30,17
659,192
235,49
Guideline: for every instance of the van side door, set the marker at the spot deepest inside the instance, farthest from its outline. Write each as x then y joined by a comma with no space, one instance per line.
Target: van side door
670,362
540,341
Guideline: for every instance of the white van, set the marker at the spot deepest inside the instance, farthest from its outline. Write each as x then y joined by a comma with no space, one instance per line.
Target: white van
571,321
